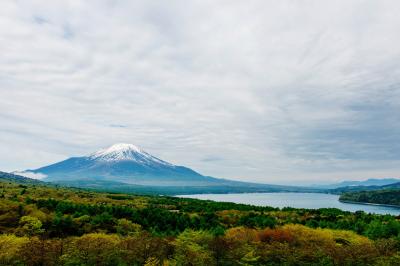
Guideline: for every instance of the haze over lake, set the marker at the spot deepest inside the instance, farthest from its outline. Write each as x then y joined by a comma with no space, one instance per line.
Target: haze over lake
296,200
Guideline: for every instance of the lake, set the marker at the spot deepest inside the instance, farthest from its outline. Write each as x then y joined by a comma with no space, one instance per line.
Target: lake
295,200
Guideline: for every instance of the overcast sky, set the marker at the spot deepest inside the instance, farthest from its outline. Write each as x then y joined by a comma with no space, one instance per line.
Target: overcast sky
268,91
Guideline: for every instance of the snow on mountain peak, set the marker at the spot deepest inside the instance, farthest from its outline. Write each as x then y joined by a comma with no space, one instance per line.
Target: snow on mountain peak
120,147
119,151
126,152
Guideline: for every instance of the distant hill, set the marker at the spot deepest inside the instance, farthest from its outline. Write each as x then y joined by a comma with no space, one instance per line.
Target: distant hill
386,194
342,190
368,182
127,168
392,186
382,196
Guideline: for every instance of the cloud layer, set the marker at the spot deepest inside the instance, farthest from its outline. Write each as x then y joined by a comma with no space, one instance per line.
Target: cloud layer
267,91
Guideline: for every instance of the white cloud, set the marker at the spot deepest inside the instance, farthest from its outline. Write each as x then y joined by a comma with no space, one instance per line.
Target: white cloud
278,91
32,175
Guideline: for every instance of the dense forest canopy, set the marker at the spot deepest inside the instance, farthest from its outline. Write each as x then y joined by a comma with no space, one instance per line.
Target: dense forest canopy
387,196
43,225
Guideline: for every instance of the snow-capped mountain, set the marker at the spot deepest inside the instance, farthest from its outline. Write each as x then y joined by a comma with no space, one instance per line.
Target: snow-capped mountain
124,163
128,152
127,168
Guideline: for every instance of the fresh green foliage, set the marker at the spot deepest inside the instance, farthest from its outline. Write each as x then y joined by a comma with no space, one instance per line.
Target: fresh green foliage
44,225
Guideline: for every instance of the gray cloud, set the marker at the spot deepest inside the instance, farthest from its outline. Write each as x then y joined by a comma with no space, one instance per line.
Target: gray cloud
282,92
212,158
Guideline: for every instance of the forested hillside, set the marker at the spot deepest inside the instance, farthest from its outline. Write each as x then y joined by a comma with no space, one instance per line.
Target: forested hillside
42,225
384,196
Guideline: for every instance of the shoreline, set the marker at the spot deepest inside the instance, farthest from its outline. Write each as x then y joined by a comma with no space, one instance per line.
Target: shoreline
369,203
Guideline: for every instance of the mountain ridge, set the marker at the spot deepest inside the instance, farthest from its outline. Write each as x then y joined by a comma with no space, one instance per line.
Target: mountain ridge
360,183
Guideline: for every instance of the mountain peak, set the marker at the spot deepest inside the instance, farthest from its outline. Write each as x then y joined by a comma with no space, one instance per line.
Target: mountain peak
119,151
123,147
126,152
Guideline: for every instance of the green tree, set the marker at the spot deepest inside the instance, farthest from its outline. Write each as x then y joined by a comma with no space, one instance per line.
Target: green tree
192,248
30,225
93,249
126,227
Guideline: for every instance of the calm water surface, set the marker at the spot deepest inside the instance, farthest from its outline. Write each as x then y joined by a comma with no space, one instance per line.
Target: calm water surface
295,200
